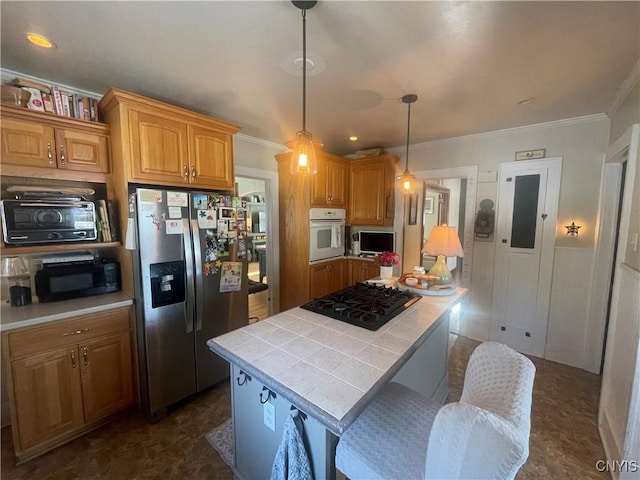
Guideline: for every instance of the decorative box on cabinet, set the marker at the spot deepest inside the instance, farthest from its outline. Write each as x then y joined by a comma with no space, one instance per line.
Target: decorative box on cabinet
46,141
362,270
372,191
327,277
67,377
166,145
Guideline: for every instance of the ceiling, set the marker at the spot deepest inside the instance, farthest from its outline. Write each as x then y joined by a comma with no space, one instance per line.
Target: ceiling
470,63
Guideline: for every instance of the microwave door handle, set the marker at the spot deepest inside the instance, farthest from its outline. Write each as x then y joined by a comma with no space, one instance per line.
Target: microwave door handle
188,259
197,250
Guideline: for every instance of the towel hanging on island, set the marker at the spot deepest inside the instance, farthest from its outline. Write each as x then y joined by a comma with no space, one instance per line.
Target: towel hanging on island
336,236
291,461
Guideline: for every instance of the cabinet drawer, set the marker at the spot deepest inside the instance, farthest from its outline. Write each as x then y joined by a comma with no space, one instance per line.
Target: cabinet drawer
78,329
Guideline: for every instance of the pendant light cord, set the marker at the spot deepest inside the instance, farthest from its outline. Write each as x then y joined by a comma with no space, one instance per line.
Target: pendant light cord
406,165
304,70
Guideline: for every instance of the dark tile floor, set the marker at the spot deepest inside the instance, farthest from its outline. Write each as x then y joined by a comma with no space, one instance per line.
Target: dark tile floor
564,439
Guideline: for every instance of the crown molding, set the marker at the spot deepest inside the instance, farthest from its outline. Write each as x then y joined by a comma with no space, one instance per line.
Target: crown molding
259,141
518,130
624,90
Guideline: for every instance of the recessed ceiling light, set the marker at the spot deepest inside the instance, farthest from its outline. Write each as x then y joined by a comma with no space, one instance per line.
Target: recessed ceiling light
40,40
527,101
353,138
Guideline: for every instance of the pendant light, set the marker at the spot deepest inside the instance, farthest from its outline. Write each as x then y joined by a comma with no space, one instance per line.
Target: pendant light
303,159
408,179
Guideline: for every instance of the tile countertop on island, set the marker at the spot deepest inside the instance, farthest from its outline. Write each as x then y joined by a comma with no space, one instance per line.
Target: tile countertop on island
39,313
328,368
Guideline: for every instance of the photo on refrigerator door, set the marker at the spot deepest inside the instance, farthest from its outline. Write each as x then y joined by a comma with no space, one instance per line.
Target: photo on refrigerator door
231,278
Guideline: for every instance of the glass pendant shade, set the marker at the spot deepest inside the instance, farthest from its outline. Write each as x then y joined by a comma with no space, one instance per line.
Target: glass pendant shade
407,179
303,158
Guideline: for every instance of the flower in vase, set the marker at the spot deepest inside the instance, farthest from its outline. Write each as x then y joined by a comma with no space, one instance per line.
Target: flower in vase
387,259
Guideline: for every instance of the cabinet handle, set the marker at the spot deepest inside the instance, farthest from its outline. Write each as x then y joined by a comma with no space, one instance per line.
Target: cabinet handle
49,154
244,379
185,172
193,172
84,356
62,157
73,358
77,332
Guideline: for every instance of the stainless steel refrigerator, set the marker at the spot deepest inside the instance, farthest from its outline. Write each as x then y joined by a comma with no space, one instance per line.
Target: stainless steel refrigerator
191,285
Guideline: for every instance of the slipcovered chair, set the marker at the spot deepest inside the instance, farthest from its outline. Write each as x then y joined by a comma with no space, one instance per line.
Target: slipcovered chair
403,435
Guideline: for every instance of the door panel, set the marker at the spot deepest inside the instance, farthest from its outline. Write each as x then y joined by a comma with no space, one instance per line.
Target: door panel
525,237
168,327
216,312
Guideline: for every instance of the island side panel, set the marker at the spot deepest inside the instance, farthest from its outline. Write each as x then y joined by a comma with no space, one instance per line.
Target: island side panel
426,370
256,444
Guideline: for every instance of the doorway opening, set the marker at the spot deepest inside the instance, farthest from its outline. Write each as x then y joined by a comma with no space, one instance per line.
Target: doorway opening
253,192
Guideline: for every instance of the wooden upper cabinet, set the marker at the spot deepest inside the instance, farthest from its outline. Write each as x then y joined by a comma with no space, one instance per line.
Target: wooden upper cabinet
158,148
372,191
329,185
211,158
82,151
34,139
167,145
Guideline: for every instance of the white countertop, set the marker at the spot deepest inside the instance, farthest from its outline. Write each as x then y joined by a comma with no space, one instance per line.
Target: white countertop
325,366
38,313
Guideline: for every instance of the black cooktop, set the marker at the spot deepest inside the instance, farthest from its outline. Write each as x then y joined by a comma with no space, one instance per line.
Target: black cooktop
364,305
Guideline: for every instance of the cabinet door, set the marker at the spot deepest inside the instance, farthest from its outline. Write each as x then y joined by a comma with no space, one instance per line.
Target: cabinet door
320,186
329,185
326,278
107,378
47,395
158,149
211,158
77,150
337,184
28,144
362,270
338,272
368,193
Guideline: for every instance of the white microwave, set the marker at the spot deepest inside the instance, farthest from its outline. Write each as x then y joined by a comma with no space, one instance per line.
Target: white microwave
326,233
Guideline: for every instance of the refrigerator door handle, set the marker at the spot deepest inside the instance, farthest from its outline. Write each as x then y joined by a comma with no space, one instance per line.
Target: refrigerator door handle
188,258
197,249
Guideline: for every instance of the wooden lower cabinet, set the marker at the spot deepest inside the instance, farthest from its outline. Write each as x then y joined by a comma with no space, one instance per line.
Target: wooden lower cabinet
327,277
80,375
362,270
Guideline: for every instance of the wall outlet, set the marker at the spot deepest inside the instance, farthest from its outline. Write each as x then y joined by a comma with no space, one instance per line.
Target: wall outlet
270,416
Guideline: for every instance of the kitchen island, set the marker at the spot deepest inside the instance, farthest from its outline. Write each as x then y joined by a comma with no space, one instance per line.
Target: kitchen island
328,370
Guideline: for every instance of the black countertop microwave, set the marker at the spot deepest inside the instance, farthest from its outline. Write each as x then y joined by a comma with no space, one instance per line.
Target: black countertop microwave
75,280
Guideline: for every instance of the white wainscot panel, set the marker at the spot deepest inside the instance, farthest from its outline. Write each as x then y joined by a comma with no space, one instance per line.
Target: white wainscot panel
476,320
568,309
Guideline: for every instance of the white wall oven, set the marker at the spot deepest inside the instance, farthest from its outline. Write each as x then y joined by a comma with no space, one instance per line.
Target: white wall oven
326,233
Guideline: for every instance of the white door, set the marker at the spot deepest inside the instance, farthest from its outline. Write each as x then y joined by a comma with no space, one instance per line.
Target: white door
525,235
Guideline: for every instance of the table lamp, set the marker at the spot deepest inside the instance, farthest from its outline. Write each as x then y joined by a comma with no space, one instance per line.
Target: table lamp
17,274
443,242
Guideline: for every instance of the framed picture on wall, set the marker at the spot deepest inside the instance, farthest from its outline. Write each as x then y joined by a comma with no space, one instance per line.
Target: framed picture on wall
428,205
413,209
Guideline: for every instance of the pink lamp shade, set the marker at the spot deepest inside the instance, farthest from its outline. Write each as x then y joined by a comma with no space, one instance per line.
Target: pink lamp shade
443,240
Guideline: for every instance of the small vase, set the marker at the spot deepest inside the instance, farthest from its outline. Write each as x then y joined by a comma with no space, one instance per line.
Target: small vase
386,272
